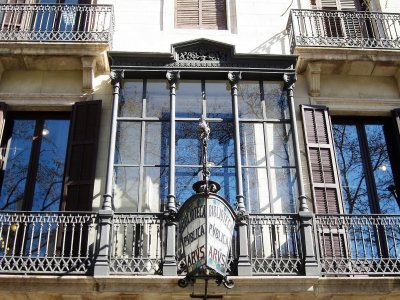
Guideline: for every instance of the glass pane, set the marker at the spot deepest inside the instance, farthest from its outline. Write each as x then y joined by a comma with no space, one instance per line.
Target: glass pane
157,104
155,188
255,186
221,144
219,100
275,100
50,174
249,100
188,149
16,164
130,100
279,144
128,143
354,188
227,179
156,143
126,188
185,178
188,99
283,190
381,168
252,144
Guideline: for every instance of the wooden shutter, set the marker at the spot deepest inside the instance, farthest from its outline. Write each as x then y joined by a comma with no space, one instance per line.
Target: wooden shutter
321,160
17,20
81,156
201,14
3,113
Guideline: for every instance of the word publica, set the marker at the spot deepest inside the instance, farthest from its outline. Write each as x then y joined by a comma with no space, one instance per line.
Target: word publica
219,235
194,235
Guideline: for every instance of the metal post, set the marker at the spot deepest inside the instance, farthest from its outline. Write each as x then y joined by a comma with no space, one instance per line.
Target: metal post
101,267
306,217
244,265
169,265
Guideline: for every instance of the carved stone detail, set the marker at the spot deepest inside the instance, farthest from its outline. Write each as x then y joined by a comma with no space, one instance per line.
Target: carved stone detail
202,54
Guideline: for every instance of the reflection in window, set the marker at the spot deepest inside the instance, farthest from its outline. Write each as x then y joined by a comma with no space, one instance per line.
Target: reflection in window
141,163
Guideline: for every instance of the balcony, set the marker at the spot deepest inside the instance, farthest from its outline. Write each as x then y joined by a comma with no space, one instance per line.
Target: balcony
331,42
56,23
66,244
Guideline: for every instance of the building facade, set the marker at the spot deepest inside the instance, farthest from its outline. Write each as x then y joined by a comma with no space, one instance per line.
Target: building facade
100,107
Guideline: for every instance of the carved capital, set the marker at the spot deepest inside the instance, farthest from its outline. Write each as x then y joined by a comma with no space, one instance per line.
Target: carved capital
173,77
116,76
234,77
289,79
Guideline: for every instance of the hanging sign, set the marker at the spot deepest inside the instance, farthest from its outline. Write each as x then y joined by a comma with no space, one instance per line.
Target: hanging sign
206,227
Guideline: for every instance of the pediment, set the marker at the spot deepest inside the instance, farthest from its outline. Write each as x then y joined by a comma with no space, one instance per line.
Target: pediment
203,50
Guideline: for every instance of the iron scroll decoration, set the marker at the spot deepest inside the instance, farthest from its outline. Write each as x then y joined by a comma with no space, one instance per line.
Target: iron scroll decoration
206,223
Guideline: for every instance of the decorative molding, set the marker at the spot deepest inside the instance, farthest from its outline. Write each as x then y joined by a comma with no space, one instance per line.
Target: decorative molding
289,79
313,76
202,54
88,68
357,106
30,102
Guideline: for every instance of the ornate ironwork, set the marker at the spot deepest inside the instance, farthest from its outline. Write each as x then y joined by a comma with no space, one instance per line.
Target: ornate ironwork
350,29
275,244
136,243
50,242
202,54
57,23
359,244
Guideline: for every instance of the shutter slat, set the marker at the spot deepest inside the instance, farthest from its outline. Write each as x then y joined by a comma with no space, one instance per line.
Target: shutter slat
201,13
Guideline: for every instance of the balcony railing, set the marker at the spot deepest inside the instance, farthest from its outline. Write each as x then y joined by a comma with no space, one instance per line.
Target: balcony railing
359,244
54,243
349,29
56,23
67,243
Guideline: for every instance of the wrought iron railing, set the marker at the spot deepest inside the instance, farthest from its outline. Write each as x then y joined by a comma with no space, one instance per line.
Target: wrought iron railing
359,244
41,242
56,23
354,29
136,243
275,244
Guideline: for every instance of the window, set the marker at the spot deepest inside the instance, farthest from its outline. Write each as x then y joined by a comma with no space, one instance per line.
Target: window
48,159
209,14
141,165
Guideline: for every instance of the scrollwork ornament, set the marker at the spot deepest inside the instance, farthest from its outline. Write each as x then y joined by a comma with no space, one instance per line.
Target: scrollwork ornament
116,76
234,77
172,77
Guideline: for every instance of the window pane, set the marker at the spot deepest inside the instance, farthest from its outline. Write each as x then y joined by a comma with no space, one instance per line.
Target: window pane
252,144
275,101
155,188
381,168
221,144
130,100
50,174
354,188
279,143
128,143
185,178
255,186
157,104
219,102
156,143
249,100
227,179
126,188
188,99
283,190
188,149
16,164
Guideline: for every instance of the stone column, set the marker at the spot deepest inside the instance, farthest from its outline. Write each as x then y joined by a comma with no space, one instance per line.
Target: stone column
244,265
101,267
170,265
310,262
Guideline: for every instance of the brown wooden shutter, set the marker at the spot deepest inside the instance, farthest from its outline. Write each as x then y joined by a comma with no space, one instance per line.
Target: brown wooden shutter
201,14
81,156
324,181
3,113
321,160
